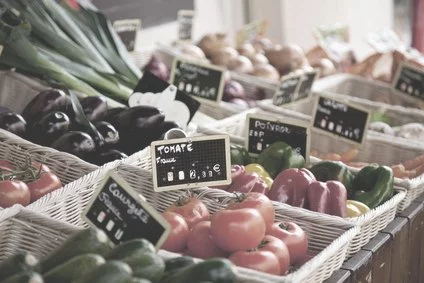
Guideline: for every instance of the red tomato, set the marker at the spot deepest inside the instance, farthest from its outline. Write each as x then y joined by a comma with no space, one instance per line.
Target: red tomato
14,192
257,201
192,209
46,183
200,242
305,259
237,230
294,238
177,239
259,260
277,247
37,165
6,165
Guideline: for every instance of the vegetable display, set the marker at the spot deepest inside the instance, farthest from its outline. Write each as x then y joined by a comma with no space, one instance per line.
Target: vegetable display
87,257
245,232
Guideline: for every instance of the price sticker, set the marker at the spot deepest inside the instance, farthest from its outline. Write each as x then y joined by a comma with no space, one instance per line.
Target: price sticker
409,80
123,214
185,24
128,30
294,87
191,162
338,118
263,130
204,82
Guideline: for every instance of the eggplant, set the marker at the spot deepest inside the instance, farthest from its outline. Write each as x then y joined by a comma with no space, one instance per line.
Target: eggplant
77,143
109,133
112,113
5,110
134,115
109,155
95,107
45,102
50,128
166,126
13,123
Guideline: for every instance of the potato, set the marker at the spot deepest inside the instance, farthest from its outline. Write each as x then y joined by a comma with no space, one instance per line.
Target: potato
247,50
266,71
223,56
211,43
286,58
259,59
240,64
192,51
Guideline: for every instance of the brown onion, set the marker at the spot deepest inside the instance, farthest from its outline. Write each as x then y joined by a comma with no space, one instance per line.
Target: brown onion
266,71
240,64
211,43
247,50
192,51
223,56
259,59
286,58
325,66
262,44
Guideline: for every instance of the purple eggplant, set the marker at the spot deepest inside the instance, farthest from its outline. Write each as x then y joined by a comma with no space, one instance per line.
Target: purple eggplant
95,107
13,123
49,128
103,157
109,133
77,143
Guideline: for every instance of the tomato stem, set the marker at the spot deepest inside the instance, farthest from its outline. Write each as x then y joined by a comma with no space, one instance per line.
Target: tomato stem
284,226
25,172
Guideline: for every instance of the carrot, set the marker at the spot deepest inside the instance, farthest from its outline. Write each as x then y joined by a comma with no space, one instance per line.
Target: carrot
399,171
419,170
349,155
414,163
333,156
314,152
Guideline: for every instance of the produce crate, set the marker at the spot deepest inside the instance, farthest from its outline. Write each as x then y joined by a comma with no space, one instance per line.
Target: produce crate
371,222
330,238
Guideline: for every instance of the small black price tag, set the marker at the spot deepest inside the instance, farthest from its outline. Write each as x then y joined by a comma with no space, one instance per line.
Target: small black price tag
185,24
339,118
127,31
262,131
410,81
124,215
202,81
294,87
191,162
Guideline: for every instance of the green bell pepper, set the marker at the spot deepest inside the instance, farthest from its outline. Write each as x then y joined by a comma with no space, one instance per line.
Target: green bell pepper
373,185
278,157
239,155
333,171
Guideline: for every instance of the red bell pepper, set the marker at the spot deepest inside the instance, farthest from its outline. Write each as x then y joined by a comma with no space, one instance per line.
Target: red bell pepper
329,197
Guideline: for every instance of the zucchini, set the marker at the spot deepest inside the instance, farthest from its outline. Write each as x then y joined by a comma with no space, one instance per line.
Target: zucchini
110,272
146,265
178,262
130,247
215,270
27,276
17,263
91,240
73,268
137,280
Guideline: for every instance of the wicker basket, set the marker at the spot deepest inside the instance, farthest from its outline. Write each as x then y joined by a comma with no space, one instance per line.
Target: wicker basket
40,235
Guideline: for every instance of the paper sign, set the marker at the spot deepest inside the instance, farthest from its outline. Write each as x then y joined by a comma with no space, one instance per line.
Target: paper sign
205,82
338,118
185,24
127,31
251,31
294,87
191,162
262,131
384,41
123,214
410,81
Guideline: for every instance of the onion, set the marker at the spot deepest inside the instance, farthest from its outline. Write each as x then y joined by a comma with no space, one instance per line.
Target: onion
247,49
241,64
286,58
233,90
259,59
240,102
262,44
223,56
266,71
325,66
211,43
192,51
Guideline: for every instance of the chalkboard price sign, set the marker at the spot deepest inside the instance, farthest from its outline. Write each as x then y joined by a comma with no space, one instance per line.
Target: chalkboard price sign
191,162
127,31
410,81
341,119
294,87
200,80
123,214
262,131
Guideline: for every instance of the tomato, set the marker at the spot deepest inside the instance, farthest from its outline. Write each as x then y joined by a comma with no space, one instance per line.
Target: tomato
200,242
46,183
277,247
36,165
238,229
177,239
6,165
14,192
192,209
257,201
293,236
260,260
301,261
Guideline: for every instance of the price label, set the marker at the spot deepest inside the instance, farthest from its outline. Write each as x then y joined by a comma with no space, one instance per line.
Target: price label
127,31
341,119
384,41
294,87
251,31
191,162
205,82
262,131
185,24
123,214
410,81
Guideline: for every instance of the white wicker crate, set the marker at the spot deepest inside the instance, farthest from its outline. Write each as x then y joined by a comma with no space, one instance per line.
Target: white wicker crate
331,239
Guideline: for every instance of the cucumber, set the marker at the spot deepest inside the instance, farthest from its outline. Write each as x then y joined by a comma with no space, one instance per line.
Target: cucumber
130,247
27,276
178,262
137,280
110,272
73,268
17,263
91,240
146,265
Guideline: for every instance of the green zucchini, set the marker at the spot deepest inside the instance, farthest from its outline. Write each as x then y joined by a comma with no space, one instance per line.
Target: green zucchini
146,265
178,262
110,272
17,263
91,240
73,268
130,247
137,280
27,276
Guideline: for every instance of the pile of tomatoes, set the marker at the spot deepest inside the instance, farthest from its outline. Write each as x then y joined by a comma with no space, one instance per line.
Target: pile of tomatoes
245,232
25,183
